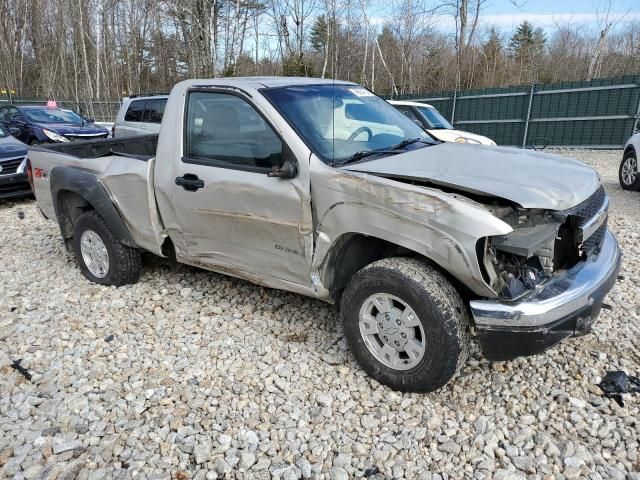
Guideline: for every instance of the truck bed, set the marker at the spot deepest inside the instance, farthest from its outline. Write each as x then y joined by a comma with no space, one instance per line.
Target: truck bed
124,167
141,148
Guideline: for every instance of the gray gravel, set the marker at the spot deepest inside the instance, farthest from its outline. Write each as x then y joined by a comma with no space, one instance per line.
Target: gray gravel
190,374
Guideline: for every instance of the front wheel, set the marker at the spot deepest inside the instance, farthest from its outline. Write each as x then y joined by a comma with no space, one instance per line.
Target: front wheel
628,172
101,257
406,324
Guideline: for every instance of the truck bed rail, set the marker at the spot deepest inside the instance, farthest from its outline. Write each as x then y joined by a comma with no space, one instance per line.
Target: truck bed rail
140,148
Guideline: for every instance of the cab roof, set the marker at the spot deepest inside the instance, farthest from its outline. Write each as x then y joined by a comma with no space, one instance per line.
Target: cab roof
268,82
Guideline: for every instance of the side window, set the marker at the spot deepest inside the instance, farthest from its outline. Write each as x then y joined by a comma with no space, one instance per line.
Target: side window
4,114
409,113
135,111
226,131
14,114
154,109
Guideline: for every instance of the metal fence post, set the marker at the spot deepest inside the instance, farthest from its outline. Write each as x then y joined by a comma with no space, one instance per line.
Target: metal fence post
637,119
526,122
453,107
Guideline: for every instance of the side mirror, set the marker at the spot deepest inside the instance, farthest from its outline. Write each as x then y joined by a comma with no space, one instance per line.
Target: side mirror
15,131
90,120
287,170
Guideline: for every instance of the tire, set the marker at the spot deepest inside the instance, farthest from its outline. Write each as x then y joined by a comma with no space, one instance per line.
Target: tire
442,322
123,263
628,166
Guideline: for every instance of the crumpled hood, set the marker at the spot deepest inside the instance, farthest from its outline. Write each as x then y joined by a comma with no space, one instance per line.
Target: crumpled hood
11,148
72,129
530,179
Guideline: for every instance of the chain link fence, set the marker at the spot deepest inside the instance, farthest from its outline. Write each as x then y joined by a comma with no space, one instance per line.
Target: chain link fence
600,113
99,110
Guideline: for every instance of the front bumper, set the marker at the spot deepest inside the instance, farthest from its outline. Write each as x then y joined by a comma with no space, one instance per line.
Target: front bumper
563,307
14,185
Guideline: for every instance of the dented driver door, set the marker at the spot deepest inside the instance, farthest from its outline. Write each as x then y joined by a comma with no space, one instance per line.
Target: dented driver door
221,208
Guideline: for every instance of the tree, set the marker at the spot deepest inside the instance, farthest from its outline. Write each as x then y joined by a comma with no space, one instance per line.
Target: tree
320,34
527,43
492,48
82,49
492,51
527,46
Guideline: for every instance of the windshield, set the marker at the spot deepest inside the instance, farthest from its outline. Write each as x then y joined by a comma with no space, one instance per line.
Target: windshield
435,120
338,121
51,115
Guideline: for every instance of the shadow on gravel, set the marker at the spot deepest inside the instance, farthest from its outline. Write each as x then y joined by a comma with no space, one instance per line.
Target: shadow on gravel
284,303
18,202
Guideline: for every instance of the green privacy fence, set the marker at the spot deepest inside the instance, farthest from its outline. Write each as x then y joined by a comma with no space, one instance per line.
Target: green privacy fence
600,113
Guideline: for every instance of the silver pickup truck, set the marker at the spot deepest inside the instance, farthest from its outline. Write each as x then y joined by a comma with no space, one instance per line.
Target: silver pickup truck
322,188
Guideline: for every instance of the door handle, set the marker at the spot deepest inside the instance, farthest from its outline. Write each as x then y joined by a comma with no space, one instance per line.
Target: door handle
190,182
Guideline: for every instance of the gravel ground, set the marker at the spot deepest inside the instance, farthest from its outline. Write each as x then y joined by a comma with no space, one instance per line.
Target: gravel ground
190,374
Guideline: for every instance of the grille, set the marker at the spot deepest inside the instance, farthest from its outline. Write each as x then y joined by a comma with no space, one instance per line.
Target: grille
584,212
567,249
10,166
594,242
84,138
590,206
14,188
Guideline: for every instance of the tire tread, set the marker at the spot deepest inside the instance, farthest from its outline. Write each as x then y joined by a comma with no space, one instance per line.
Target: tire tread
128,262
444,299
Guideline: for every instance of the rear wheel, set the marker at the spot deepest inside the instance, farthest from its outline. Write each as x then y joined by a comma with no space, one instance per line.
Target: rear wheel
102,258
628,172
405,324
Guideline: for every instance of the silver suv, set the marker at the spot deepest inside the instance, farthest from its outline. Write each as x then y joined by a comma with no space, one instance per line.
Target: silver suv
139,115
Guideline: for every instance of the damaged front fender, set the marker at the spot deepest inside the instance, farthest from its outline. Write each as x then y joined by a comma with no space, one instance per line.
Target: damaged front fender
442,227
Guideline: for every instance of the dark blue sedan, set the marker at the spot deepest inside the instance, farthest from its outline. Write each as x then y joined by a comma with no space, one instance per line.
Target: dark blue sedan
35,124
13,159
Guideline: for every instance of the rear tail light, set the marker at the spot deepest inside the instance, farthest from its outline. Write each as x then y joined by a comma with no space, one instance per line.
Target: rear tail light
30,175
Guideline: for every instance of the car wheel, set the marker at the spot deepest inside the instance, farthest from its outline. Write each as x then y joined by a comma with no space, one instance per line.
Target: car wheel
406,324
628,172
102,258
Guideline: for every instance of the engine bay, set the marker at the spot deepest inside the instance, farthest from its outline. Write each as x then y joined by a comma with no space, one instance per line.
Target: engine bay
542,244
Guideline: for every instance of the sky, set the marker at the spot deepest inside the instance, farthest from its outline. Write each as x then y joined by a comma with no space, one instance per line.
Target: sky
549,13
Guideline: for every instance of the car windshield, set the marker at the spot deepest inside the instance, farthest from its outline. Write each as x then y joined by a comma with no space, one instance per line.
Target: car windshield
51,115
436,121
340,121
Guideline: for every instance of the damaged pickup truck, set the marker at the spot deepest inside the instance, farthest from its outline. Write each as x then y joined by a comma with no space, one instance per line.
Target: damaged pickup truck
321,188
